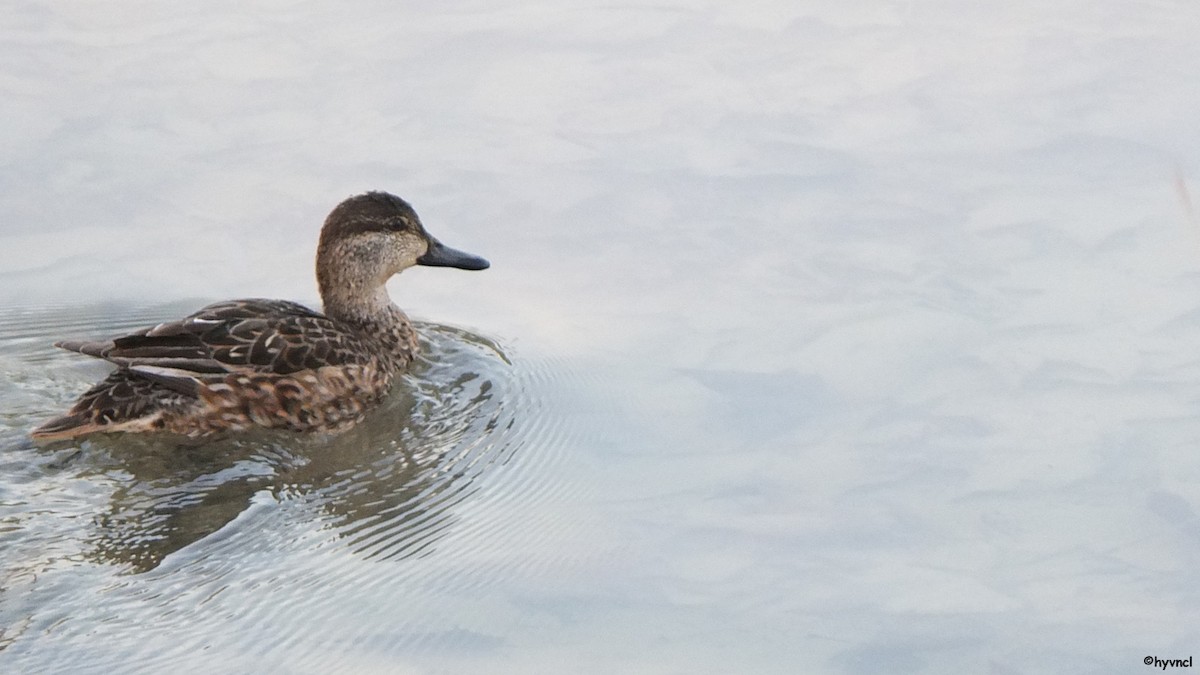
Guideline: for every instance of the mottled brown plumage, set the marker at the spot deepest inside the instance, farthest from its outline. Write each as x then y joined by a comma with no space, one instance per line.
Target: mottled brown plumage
271,363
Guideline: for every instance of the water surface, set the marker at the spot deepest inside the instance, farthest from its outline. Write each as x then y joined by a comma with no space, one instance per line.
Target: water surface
93,530
819,336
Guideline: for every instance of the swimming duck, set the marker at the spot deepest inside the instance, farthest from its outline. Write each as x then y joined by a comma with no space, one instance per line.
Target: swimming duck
243,364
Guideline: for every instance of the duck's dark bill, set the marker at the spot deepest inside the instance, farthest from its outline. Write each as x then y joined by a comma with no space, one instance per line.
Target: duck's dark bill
440,255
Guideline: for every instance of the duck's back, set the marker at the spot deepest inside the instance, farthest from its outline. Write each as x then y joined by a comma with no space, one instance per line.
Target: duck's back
255,335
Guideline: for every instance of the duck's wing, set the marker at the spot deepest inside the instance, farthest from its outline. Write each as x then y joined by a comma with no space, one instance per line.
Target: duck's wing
238,336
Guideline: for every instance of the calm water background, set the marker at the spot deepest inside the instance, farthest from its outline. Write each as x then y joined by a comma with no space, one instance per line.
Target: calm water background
820,336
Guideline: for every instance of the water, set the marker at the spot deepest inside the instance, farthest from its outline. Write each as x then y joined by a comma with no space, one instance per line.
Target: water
147,511
819,337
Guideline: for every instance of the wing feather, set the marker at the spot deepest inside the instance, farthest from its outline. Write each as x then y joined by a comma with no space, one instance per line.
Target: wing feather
239,336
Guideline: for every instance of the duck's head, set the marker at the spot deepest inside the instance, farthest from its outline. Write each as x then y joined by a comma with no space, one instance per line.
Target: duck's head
370,237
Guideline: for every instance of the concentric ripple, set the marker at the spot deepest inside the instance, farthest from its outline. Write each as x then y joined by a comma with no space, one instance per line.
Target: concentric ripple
116,533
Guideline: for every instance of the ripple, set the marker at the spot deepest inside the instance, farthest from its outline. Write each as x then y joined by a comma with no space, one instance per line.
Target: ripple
120,532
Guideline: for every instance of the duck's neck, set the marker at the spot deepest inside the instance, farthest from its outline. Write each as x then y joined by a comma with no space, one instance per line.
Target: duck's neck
355,297
359,306
374,316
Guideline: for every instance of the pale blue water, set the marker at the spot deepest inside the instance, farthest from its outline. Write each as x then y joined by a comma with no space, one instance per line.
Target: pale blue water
819,337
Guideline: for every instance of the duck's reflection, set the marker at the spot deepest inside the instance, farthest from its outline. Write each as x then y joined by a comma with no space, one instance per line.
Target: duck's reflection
386,486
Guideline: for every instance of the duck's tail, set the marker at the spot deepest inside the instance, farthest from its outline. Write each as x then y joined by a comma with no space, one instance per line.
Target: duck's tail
123,401
66,427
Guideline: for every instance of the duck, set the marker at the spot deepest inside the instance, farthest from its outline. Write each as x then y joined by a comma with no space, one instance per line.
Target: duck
258,363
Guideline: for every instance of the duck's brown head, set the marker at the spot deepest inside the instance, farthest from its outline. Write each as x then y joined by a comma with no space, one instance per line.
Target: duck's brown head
367,239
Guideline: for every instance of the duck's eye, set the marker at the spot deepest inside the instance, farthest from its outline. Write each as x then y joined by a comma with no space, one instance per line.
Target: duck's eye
401,223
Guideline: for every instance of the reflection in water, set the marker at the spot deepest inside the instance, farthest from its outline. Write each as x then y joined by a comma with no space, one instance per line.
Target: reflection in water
385,487
114,549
